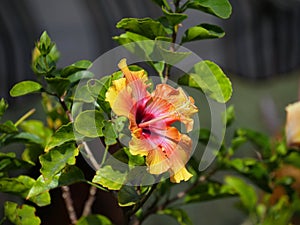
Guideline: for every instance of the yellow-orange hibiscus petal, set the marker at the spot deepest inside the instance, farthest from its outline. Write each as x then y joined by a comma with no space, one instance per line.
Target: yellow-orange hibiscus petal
181,175
157,161
119,97
131,75
183,106
292,127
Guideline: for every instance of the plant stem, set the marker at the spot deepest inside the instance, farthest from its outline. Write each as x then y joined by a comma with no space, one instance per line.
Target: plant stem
24,117
90,201
66,194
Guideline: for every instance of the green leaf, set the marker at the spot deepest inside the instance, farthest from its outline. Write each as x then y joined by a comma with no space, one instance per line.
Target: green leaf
68,176
9,162
110,178
25,138
202,31
21,215
57,158
89,123
210,79
229,116
57,85
75,67
61,136
260,140
20,186
8,127
247,193
45,44
44,65
83,94
162,3
146,27
207,192
174,18
24,88
178,214
3,107
83,74
128,196
110,133
37,128
98,88
219,8
94,220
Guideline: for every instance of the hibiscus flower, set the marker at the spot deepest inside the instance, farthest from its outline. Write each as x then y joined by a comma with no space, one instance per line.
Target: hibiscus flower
292,127
151,116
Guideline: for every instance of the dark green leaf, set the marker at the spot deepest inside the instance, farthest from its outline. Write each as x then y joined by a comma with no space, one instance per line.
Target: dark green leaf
75,67
67,176
206,192
146,27
57,85
110,133
8,127
245,191
162,3
260,140
94,220
128,196
20,186
24,88
84,74
37,128
57,158
3,107
62,135
209,78
202,31
219,8
178,214
174,18
110,178
89,123
9,162
44,65
25,137
21,215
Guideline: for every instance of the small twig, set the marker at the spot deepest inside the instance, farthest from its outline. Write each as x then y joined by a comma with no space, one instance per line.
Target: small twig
90,201
66,194
24,117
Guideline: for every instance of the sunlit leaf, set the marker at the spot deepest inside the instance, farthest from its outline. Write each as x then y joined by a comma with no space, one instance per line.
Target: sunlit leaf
246,192
21,215
110,178
210,79
89,123
20,186
3,107
75,67
67,176
24,88
57,158
219,8
146,27
62,135
202,31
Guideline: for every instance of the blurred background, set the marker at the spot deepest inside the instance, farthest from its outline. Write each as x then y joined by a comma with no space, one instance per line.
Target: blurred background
260,53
